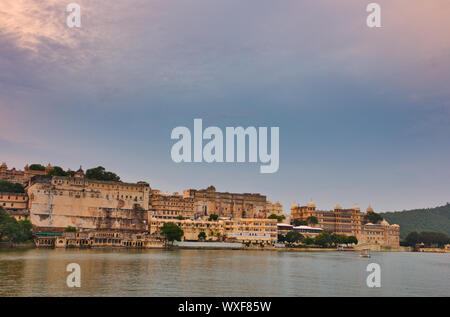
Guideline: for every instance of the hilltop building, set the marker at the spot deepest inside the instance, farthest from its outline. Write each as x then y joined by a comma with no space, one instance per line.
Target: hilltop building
274,208
208,201
171,206
18,176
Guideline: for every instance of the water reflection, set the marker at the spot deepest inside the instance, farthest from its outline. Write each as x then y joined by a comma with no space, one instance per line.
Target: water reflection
108,272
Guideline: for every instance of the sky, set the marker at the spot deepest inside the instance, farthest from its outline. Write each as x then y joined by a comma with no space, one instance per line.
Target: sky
364,113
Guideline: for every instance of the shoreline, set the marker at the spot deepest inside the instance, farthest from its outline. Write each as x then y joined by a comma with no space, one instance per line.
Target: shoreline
234,248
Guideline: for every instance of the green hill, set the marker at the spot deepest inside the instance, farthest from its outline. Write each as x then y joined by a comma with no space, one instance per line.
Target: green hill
429,219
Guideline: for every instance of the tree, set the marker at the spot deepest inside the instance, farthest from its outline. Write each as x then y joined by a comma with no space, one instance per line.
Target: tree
172,232
99,173
71,229
57,171
323,239
37,167
213,217
412,238
372,217
352,240
202,235
338,239
180,217
312,220
294,236
281,237
430,238
309,241
11,187
278,218
12,230
298,222
24,231
436,219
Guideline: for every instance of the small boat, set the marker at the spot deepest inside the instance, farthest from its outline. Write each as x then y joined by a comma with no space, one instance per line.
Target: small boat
365,253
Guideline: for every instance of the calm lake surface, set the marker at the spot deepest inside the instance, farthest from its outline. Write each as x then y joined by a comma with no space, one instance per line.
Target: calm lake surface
110,272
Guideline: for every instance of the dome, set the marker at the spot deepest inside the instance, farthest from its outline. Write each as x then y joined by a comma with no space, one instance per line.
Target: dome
294,205
384,223
337,207
311,204
356,207
369,209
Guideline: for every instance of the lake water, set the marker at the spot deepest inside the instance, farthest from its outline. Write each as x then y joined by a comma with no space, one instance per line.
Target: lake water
120,272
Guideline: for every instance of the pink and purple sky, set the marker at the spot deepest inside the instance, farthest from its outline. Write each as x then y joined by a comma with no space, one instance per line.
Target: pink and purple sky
364,114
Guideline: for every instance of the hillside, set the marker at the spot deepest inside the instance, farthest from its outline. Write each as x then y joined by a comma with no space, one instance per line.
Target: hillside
430,219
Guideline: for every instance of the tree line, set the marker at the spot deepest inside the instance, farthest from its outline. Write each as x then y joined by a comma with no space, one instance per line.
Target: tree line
428,238
97,173
12,230
9,187
436,219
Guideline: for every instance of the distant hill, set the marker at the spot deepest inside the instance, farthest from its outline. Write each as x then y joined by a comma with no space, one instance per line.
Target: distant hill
430,219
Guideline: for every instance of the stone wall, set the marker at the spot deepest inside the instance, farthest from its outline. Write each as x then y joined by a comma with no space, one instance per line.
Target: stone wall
58,202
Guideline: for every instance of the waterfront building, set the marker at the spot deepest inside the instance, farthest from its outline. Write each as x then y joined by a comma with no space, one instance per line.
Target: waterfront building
235,229
99,239
15,204
308,231
58,202
284,228
251,230
349,222
208,201
381,234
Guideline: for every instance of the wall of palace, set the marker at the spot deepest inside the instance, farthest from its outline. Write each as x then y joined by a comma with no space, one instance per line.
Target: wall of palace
209,201
171,206
64,201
